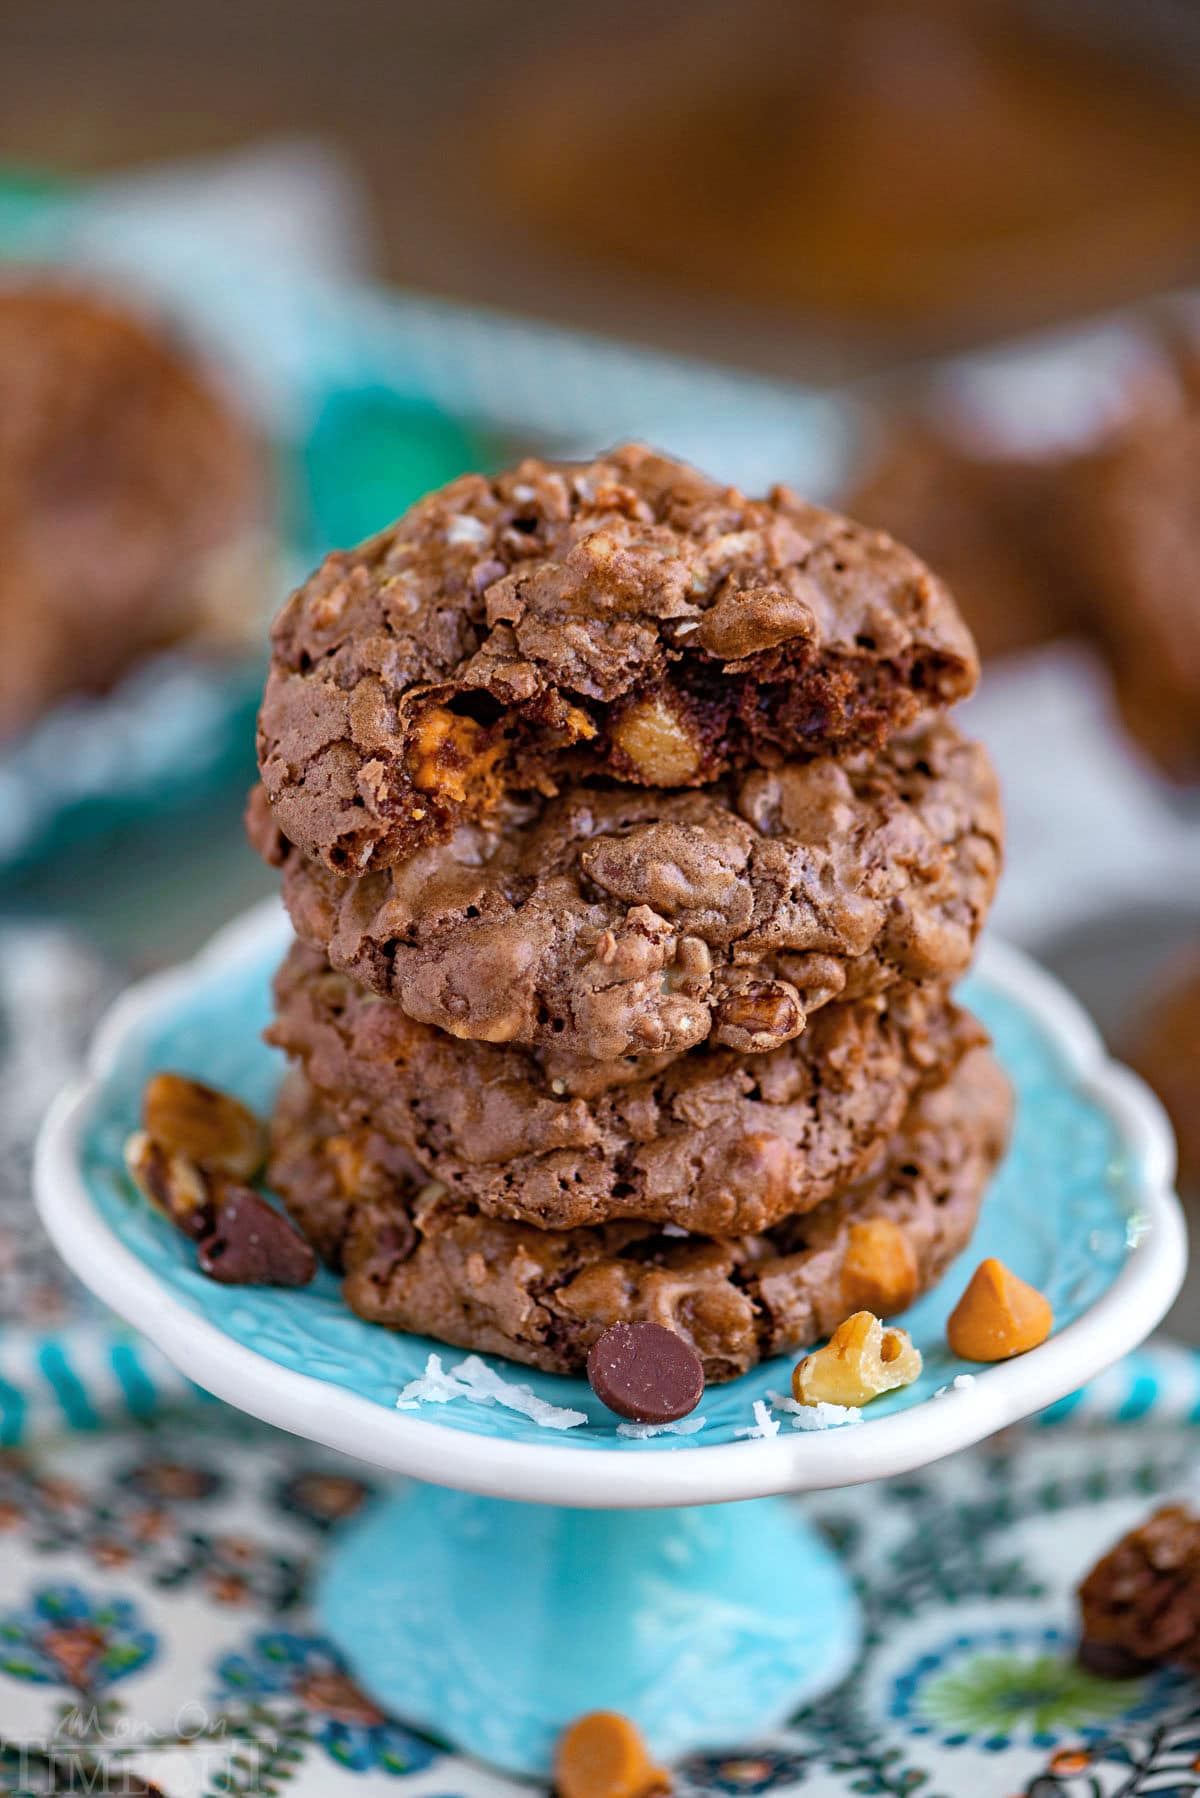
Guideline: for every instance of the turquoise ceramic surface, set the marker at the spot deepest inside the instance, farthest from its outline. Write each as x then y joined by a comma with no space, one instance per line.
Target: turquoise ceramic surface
495,1624
1060,1214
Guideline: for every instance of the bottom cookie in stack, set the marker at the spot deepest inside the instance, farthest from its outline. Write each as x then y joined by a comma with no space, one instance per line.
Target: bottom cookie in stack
418,1258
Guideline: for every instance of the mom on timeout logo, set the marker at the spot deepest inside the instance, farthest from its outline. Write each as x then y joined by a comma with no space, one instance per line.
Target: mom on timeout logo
95,1753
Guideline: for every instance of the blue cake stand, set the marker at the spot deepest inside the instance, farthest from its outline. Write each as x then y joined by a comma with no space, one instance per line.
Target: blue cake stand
522,1575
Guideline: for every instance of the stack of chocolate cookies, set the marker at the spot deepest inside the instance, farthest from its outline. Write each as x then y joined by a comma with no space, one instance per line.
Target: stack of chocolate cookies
631,856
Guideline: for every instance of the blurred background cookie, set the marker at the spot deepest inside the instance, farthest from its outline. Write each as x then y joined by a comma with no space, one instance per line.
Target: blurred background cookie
133,499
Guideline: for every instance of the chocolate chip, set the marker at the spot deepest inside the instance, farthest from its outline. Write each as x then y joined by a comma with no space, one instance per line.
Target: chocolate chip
395,1242
1108,1660
251,1244
645,1372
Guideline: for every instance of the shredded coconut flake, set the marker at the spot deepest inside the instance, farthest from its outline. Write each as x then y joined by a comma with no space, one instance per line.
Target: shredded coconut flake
675,1230
764,1424
684,1426
814,1417
824,1416
960,1383
474,1379
434,1387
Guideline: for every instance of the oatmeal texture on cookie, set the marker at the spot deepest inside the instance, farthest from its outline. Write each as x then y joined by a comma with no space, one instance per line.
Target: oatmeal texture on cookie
711,1140
627,618
631,921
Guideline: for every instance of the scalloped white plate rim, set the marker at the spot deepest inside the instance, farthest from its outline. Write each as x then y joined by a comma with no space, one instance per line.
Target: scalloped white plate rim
552,1472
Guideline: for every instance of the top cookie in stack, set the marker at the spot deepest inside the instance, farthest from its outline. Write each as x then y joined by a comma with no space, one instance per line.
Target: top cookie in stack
628,619
620,779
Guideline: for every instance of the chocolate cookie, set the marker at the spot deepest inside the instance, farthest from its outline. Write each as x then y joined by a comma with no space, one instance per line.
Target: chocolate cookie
1140,1603
1133,527
130,496
1165,1050
418,1258
627,617
626,921
990,523
711,1141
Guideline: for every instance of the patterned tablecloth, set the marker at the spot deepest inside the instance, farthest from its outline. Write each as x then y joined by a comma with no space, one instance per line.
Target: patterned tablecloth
156,1551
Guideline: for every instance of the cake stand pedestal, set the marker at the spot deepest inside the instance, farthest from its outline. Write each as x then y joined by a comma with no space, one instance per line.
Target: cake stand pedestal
521,1575
494,1623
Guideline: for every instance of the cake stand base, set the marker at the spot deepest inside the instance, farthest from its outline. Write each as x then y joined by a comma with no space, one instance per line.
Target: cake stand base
492,1624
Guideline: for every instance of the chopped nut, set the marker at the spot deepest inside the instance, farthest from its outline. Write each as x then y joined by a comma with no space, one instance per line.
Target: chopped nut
358,1174
860,1360
173,1184
880,1272
757,1015
998,1316
657,742
693,958
603,1755
212,1129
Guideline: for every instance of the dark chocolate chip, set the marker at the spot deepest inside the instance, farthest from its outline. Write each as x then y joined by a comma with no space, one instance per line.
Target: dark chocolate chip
645,1372
395,1242
251,1244
1108,1660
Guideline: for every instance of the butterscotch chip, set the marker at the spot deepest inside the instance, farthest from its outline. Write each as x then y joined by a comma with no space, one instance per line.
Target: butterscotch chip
603,1755
998,1316
860,1361
211,1128
627,921
880,1271
626,618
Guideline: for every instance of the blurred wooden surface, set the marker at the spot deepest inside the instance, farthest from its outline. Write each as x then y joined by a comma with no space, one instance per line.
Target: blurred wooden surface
656,171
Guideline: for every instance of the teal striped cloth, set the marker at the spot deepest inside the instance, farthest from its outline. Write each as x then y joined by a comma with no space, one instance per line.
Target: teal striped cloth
1160,1382
82,1377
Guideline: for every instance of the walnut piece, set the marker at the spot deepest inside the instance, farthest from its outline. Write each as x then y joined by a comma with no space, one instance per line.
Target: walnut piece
757,1015
657,742
173,1183
860,1360
210,1128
